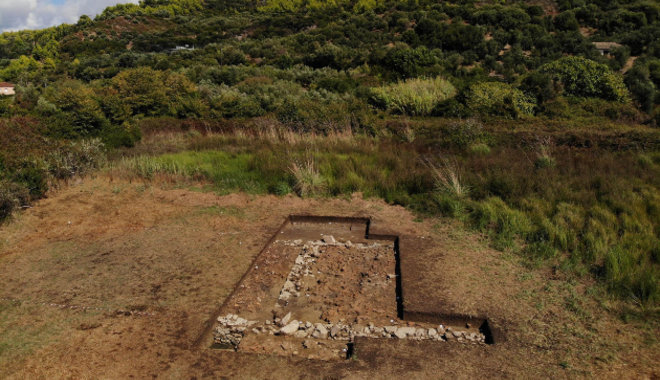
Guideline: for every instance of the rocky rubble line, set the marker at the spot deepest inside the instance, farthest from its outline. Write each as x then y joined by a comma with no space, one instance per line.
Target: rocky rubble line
310,251
232,328
329,240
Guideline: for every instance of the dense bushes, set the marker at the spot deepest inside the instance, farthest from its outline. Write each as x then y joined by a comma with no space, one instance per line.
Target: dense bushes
29,163
11,196
408,63
494,98
415,97
643,80
126,66
340,35
583,77
75,158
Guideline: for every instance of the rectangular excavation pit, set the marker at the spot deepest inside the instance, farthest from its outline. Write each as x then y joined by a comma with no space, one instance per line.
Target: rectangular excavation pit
321,282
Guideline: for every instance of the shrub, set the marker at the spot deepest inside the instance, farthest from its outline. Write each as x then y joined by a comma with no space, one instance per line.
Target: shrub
448,179
567,21
81,114
610,109
151,92
407,62
586,78
415,97
124,135
447,205
499,99
309,181
11,196
655,117
544,157
230,102
76,158
479,149
280,188
540,86
464,133
33,175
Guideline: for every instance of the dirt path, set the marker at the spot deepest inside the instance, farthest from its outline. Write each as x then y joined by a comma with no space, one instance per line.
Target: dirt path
118,280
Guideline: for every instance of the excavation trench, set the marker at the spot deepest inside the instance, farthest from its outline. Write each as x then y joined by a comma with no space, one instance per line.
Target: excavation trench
321,283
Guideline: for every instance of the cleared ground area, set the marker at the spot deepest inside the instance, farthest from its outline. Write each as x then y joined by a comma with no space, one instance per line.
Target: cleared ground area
323,283
122,280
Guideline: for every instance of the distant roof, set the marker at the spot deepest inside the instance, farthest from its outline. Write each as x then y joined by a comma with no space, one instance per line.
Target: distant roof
6,84
606,45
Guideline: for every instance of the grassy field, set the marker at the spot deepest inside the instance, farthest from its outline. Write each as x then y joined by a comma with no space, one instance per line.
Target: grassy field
589,210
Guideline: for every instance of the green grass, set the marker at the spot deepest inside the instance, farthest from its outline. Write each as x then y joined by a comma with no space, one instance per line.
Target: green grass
415,97
229,172
226,211
591,212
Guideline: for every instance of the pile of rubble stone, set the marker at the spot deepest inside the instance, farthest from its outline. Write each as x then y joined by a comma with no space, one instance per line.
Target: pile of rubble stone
308,255
232,328
329,240
300,268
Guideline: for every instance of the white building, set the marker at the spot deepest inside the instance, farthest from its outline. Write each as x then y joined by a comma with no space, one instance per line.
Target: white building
605,48
7,89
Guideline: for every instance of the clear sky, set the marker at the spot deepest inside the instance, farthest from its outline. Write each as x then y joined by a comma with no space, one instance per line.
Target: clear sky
35,14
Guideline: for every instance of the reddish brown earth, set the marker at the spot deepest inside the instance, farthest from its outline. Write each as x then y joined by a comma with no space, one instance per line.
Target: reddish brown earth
350,285
346,284
118,280
339,275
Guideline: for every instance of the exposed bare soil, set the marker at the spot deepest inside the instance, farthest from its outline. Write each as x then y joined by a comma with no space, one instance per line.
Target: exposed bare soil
321,281
119,280
349,285
341,283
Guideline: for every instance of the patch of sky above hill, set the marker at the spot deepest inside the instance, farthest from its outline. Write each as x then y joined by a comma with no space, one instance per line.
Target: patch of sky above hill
36,14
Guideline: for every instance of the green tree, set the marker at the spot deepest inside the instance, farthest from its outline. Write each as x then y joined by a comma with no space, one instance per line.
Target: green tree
407,62
498,99
567,21
642,88
539,86
143,90
22,69
80,113
151,92
585,78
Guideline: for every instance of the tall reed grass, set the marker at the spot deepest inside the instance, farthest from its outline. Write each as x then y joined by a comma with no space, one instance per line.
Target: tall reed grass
414,97
309,181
